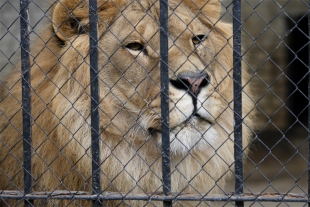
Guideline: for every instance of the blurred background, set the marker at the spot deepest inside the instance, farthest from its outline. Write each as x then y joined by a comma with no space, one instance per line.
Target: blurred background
275,41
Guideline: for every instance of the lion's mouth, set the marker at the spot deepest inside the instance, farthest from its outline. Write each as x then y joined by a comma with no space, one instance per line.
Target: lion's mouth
189,122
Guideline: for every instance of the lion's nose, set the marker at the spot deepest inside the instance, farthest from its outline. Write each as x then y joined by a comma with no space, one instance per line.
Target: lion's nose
192,82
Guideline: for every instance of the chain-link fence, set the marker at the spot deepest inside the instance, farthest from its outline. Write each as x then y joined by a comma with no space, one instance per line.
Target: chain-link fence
154,103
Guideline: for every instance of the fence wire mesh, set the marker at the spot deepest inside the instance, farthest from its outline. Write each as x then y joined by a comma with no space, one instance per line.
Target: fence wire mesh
154,103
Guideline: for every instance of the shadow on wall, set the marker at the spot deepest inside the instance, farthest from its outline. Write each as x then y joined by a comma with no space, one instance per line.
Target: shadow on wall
297,70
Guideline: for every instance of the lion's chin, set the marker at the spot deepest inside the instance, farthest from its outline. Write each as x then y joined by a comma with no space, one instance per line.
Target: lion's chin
192,135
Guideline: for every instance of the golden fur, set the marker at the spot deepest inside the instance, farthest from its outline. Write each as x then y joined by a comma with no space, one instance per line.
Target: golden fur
201,146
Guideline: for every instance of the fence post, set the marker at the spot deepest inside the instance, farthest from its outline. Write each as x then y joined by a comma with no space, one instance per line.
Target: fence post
26,102
164,68
94,87
237,24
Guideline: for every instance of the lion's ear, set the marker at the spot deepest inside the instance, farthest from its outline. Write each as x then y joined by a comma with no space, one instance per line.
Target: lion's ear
70,17
210,8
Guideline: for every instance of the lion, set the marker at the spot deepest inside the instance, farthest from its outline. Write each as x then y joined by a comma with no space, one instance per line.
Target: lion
200,103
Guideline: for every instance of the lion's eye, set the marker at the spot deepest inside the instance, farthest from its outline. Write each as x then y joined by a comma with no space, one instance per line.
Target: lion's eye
135,46
198,39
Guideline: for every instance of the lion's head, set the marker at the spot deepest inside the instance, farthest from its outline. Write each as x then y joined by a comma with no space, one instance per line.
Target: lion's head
200,100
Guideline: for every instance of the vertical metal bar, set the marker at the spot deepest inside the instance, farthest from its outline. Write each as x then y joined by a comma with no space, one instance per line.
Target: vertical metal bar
309,103
164,71
94,87
237,24
26,102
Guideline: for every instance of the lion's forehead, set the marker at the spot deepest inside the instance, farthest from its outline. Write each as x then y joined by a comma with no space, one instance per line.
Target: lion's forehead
142,19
